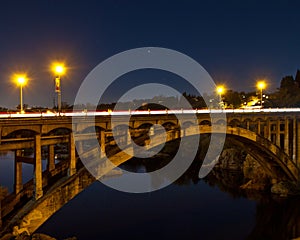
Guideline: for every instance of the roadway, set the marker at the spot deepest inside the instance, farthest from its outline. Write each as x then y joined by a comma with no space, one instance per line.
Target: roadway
150,112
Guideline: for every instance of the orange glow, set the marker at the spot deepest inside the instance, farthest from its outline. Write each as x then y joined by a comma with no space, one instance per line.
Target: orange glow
220,89
58,68
261,85
20,79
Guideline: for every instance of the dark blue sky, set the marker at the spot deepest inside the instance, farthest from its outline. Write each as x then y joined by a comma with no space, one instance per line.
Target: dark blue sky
235,41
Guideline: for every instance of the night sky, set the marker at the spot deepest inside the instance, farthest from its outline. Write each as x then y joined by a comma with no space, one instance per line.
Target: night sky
237,42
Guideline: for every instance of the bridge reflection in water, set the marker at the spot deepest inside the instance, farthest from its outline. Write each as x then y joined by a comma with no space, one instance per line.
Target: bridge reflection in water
272,138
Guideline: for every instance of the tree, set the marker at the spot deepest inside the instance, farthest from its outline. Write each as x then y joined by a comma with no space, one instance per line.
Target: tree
25,106
297,78
288,95
233,99
287,83
3,109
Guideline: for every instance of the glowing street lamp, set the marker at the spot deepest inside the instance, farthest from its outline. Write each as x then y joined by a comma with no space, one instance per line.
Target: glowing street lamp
261,85
21,80
59,70
220,91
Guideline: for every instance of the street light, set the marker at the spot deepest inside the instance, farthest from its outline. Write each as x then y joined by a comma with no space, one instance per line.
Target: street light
59,70
220,91
261,85
21,80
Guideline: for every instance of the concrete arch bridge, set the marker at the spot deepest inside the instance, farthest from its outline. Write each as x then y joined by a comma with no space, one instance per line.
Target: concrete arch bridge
272,138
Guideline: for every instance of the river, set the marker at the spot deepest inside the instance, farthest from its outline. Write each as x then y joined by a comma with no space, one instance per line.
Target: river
190,208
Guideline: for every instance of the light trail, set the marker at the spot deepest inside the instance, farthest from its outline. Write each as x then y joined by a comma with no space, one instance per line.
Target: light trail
152,112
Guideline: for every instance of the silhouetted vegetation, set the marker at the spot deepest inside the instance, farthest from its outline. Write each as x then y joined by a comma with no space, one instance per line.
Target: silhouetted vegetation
3,109
288,94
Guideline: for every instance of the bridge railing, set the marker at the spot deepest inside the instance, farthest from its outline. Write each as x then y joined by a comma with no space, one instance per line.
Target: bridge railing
146,112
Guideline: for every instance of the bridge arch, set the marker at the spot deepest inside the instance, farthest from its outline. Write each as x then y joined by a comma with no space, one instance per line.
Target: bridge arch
102,125
145,126
276,155
278,163
234,122
205,122
23,131
121,128
264,158
221,122
259,119
168,122
91,129
245,120
274,160
54,129
59,131
187,124
169,125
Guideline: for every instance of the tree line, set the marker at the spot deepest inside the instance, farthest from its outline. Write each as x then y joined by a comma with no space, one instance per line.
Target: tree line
287,95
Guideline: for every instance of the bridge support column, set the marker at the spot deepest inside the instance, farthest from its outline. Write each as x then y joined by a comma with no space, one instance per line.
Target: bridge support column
168,136
38,178
298,145
18,172
72,167
79,146
258,127
278,133
128,139
267,129
102,143
294,139
182,133
286,137
51,158
177,134
247,125
0,214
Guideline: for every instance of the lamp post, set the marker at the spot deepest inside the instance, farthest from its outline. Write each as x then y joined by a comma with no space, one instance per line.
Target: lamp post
59,70
220,91
21,81
261,85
